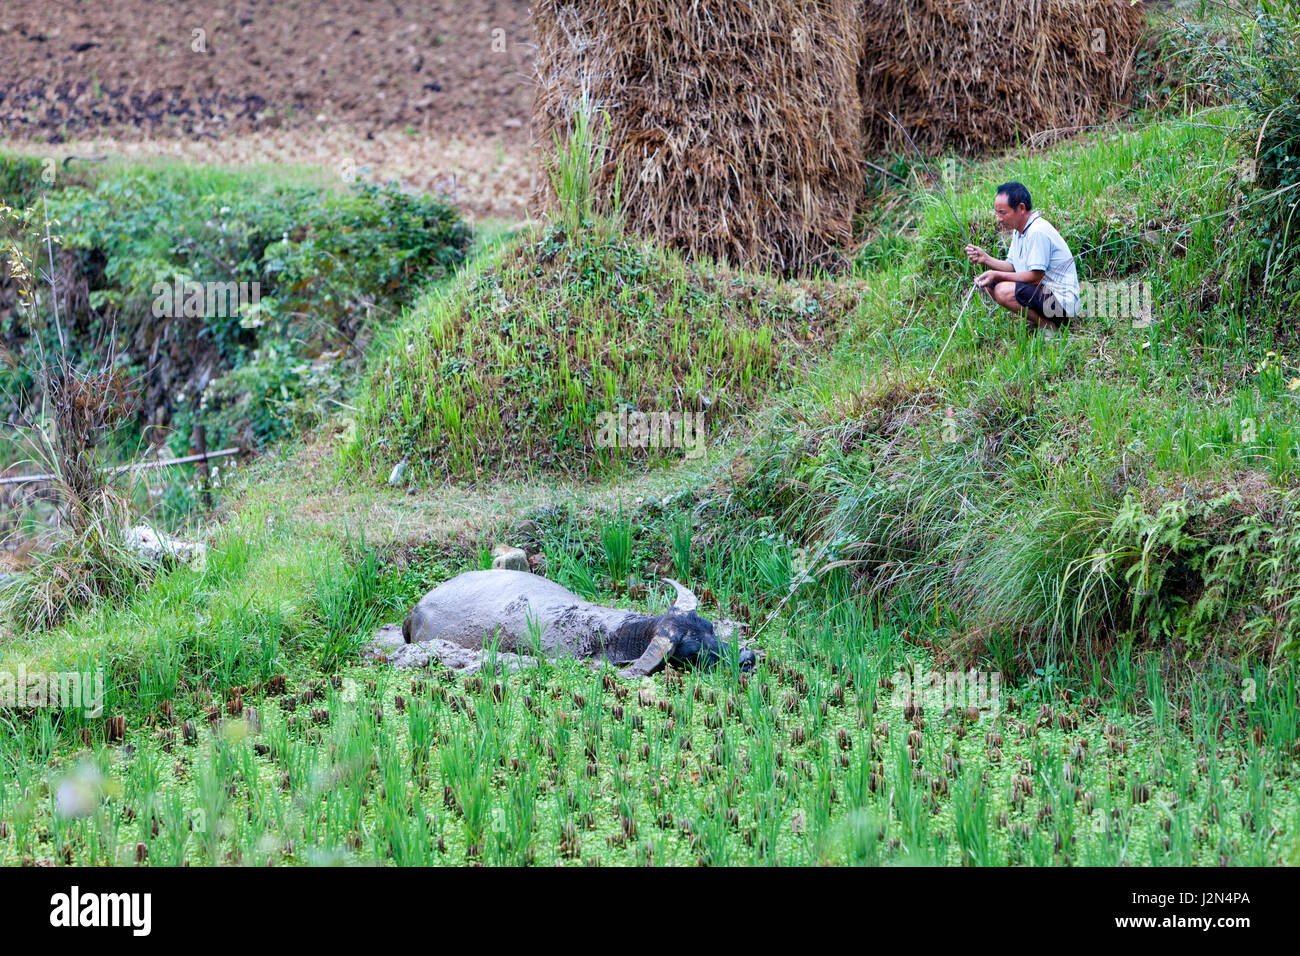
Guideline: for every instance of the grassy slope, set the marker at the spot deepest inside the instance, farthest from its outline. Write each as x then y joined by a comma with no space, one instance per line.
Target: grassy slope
1054,493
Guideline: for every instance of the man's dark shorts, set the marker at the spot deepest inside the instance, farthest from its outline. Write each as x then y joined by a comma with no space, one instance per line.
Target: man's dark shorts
1041,300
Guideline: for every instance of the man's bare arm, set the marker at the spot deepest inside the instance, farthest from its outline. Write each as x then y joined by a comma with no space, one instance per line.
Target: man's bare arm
980,257
994,276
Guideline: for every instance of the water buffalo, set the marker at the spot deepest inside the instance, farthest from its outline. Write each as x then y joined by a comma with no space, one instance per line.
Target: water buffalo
530,613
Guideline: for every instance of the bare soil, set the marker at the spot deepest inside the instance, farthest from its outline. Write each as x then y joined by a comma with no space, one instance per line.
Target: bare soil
437,94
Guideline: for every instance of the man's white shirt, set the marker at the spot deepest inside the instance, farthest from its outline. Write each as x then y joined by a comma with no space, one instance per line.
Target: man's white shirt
1040,246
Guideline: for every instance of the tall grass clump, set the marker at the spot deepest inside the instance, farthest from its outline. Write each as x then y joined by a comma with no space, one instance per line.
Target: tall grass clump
81,413
1261,73
577,160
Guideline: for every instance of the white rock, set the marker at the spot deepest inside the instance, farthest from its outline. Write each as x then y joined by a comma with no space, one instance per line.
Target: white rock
159,548
507,558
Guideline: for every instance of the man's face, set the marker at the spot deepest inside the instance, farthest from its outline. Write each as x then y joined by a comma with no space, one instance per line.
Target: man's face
1009,218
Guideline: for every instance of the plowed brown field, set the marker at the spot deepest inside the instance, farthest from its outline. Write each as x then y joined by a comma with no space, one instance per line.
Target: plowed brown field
436,94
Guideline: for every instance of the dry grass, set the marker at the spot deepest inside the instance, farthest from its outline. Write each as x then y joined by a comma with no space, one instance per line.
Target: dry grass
975,74
737,126
307,483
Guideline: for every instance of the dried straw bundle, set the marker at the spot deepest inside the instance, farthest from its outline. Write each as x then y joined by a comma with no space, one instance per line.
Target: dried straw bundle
737,123
975,74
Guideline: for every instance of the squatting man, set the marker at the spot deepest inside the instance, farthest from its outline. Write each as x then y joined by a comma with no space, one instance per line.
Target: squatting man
1038,277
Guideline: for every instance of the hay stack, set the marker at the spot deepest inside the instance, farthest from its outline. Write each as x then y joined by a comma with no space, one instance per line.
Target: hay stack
737,124
975,74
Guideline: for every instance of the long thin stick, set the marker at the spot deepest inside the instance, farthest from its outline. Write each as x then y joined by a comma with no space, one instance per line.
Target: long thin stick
54,292
943,193
141,466
951,331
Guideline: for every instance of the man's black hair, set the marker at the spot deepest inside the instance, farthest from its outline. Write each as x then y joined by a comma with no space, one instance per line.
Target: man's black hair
1016,194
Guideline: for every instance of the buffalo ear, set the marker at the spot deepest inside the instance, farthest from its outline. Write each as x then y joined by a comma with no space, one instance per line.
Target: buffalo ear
650,660
685,601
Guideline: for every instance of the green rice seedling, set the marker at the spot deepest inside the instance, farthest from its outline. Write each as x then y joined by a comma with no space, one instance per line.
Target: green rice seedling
681,531
768,563
971,822
768,826
491,654
576,576
616,540
1156,697
718,573
907,805
175,827
712,831
421,732
857,840
347,609
521,815
1124,673
823,785
576,160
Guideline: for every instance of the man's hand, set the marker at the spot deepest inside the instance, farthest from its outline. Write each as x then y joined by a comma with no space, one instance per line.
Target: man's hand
986,279
977,255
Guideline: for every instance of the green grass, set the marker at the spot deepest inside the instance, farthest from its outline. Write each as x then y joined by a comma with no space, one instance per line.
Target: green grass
507,371
1105,519
271,599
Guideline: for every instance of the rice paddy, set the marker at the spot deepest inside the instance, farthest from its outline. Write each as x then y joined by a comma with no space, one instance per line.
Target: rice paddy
813,758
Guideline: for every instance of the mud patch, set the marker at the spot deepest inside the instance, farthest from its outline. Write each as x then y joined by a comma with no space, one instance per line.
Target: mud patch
387,646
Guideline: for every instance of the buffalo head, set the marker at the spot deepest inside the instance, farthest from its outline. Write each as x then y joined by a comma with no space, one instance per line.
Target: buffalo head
681,637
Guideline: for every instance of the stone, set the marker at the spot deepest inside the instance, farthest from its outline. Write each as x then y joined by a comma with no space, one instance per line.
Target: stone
157,548
506,558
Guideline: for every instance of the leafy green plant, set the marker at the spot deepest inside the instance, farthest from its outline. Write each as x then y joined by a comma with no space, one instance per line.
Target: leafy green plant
313,271
573,167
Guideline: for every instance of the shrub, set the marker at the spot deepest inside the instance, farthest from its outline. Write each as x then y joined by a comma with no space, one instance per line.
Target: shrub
20,179
325,266
82,413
